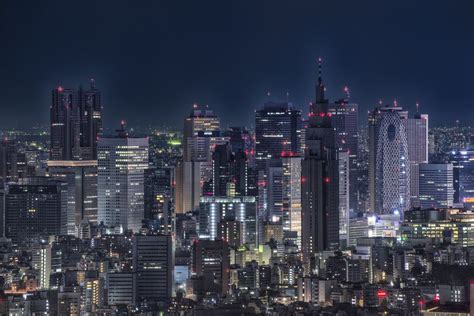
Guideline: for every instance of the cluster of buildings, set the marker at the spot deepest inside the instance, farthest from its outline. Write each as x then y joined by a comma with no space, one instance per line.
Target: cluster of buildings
300,215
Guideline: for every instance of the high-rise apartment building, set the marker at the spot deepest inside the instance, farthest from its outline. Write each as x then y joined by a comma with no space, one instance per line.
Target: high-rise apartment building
122,161
320,181
76,123
41,262
389,167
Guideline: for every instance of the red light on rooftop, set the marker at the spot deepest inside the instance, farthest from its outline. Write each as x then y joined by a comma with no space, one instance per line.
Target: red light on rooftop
60,89
327,180
381,293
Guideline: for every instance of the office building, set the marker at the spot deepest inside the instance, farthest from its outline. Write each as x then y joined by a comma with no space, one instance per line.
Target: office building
36,207
121,288
76,123
81,179
159,197
344,117
436,185
463,176
211,262
389,167
320,181
441,225
153,264
274,190
214,210
201,134
188,188
241,139
232,232
291,216
229,172
417,141
122,160
277,132
199,127
8,162
344,195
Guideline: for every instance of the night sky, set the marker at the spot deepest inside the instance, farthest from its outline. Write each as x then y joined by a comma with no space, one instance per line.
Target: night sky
153,59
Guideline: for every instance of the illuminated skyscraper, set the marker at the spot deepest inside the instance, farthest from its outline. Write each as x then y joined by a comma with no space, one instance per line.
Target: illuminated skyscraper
436,185
292,195
417,140
121,163
41,262
345,121
215,210
389,167
200,135
81,179
76,123
344,195
199,127
277,132
320,181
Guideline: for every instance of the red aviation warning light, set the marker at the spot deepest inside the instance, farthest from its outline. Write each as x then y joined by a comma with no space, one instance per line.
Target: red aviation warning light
381,294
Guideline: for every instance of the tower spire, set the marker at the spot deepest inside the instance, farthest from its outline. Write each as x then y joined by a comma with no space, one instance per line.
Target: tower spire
320,86
320,71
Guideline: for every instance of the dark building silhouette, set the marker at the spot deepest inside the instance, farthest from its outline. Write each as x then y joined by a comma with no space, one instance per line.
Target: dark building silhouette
153,266
277,132
36,207
319,187
76,123
211,262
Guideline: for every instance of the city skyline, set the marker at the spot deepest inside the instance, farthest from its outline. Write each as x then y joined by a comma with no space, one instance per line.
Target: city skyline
230,55
137,200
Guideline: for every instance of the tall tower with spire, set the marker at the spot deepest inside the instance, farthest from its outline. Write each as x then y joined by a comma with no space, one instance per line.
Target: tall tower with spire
320,182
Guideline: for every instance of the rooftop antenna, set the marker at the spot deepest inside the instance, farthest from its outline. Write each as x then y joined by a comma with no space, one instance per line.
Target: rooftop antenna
417,107
287,97
347,92
92,81
320,70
